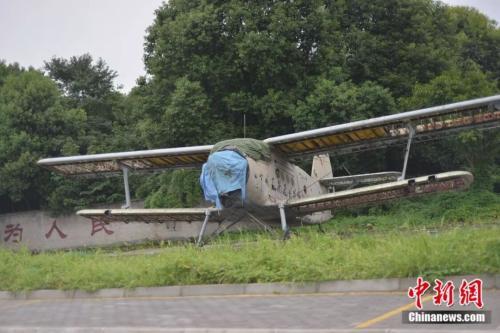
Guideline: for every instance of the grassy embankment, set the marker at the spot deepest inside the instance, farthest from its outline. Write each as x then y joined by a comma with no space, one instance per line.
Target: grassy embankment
457,233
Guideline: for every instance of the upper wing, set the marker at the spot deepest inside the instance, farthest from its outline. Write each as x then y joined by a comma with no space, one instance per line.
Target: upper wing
455,180
389,130
144,160
156,215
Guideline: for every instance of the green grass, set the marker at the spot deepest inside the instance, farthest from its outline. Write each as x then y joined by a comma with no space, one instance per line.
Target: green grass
453,233
308,256
442,211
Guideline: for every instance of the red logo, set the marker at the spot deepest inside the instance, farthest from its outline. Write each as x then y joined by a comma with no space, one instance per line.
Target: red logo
418,291
472,292
444,293
469,292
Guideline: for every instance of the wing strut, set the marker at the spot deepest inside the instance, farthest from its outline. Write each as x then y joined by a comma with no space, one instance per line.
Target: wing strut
125,184
203,227
411,134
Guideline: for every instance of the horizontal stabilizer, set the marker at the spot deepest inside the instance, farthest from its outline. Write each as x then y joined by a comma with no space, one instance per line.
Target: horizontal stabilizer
158,215
365,179
376,194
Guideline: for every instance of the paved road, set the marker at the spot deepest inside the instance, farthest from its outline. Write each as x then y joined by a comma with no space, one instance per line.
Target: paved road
314,311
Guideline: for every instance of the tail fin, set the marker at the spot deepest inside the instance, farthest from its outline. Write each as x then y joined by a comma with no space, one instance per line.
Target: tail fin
321,167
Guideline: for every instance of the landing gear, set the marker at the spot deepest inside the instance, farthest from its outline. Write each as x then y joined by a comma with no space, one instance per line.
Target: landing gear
203,228
235,219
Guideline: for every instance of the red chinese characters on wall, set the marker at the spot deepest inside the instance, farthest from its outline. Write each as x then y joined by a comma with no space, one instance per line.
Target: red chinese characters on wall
53,228
98,226
13,233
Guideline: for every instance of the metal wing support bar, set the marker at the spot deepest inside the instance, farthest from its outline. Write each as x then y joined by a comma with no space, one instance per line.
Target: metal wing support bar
128,202
411,134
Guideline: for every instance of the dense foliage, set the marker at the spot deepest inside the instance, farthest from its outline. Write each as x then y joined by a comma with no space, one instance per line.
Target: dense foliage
285,65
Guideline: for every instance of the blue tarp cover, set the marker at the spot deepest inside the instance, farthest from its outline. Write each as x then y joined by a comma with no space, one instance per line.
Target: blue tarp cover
225,171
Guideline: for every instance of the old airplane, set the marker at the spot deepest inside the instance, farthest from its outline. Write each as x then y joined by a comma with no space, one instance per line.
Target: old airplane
257,181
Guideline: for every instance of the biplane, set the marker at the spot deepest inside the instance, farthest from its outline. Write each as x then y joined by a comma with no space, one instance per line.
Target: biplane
257,180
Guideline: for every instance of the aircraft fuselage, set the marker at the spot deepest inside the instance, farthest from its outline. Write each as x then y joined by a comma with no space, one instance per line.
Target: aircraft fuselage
274,181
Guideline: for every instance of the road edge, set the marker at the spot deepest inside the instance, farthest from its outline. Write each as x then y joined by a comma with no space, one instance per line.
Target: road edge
490,281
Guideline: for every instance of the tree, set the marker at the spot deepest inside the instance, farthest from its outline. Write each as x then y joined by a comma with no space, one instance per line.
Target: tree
110,121
244,55
474,150
185,119
80,79
33,124
8,69
477,39
335,103
90,86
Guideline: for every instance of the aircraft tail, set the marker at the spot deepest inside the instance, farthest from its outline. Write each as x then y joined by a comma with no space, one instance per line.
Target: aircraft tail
321,167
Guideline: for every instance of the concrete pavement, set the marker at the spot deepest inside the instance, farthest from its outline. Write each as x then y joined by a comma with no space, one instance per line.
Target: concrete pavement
325,312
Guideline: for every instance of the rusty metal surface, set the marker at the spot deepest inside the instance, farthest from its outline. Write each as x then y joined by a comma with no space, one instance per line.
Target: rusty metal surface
361,179
112,163
151,215
381,193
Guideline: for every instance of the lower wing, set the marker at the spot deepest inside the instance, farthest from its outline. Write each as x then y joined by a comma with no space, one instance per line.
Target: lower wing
447,181
152,215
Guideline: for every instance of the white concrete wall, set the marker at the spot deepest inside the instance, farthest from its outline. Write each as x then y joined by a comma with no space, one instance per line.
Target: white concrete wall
32,230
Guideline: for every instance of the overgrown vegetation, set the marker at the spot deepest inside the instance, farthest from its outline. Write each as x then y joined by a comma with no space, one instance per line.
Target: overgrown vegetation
475,208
